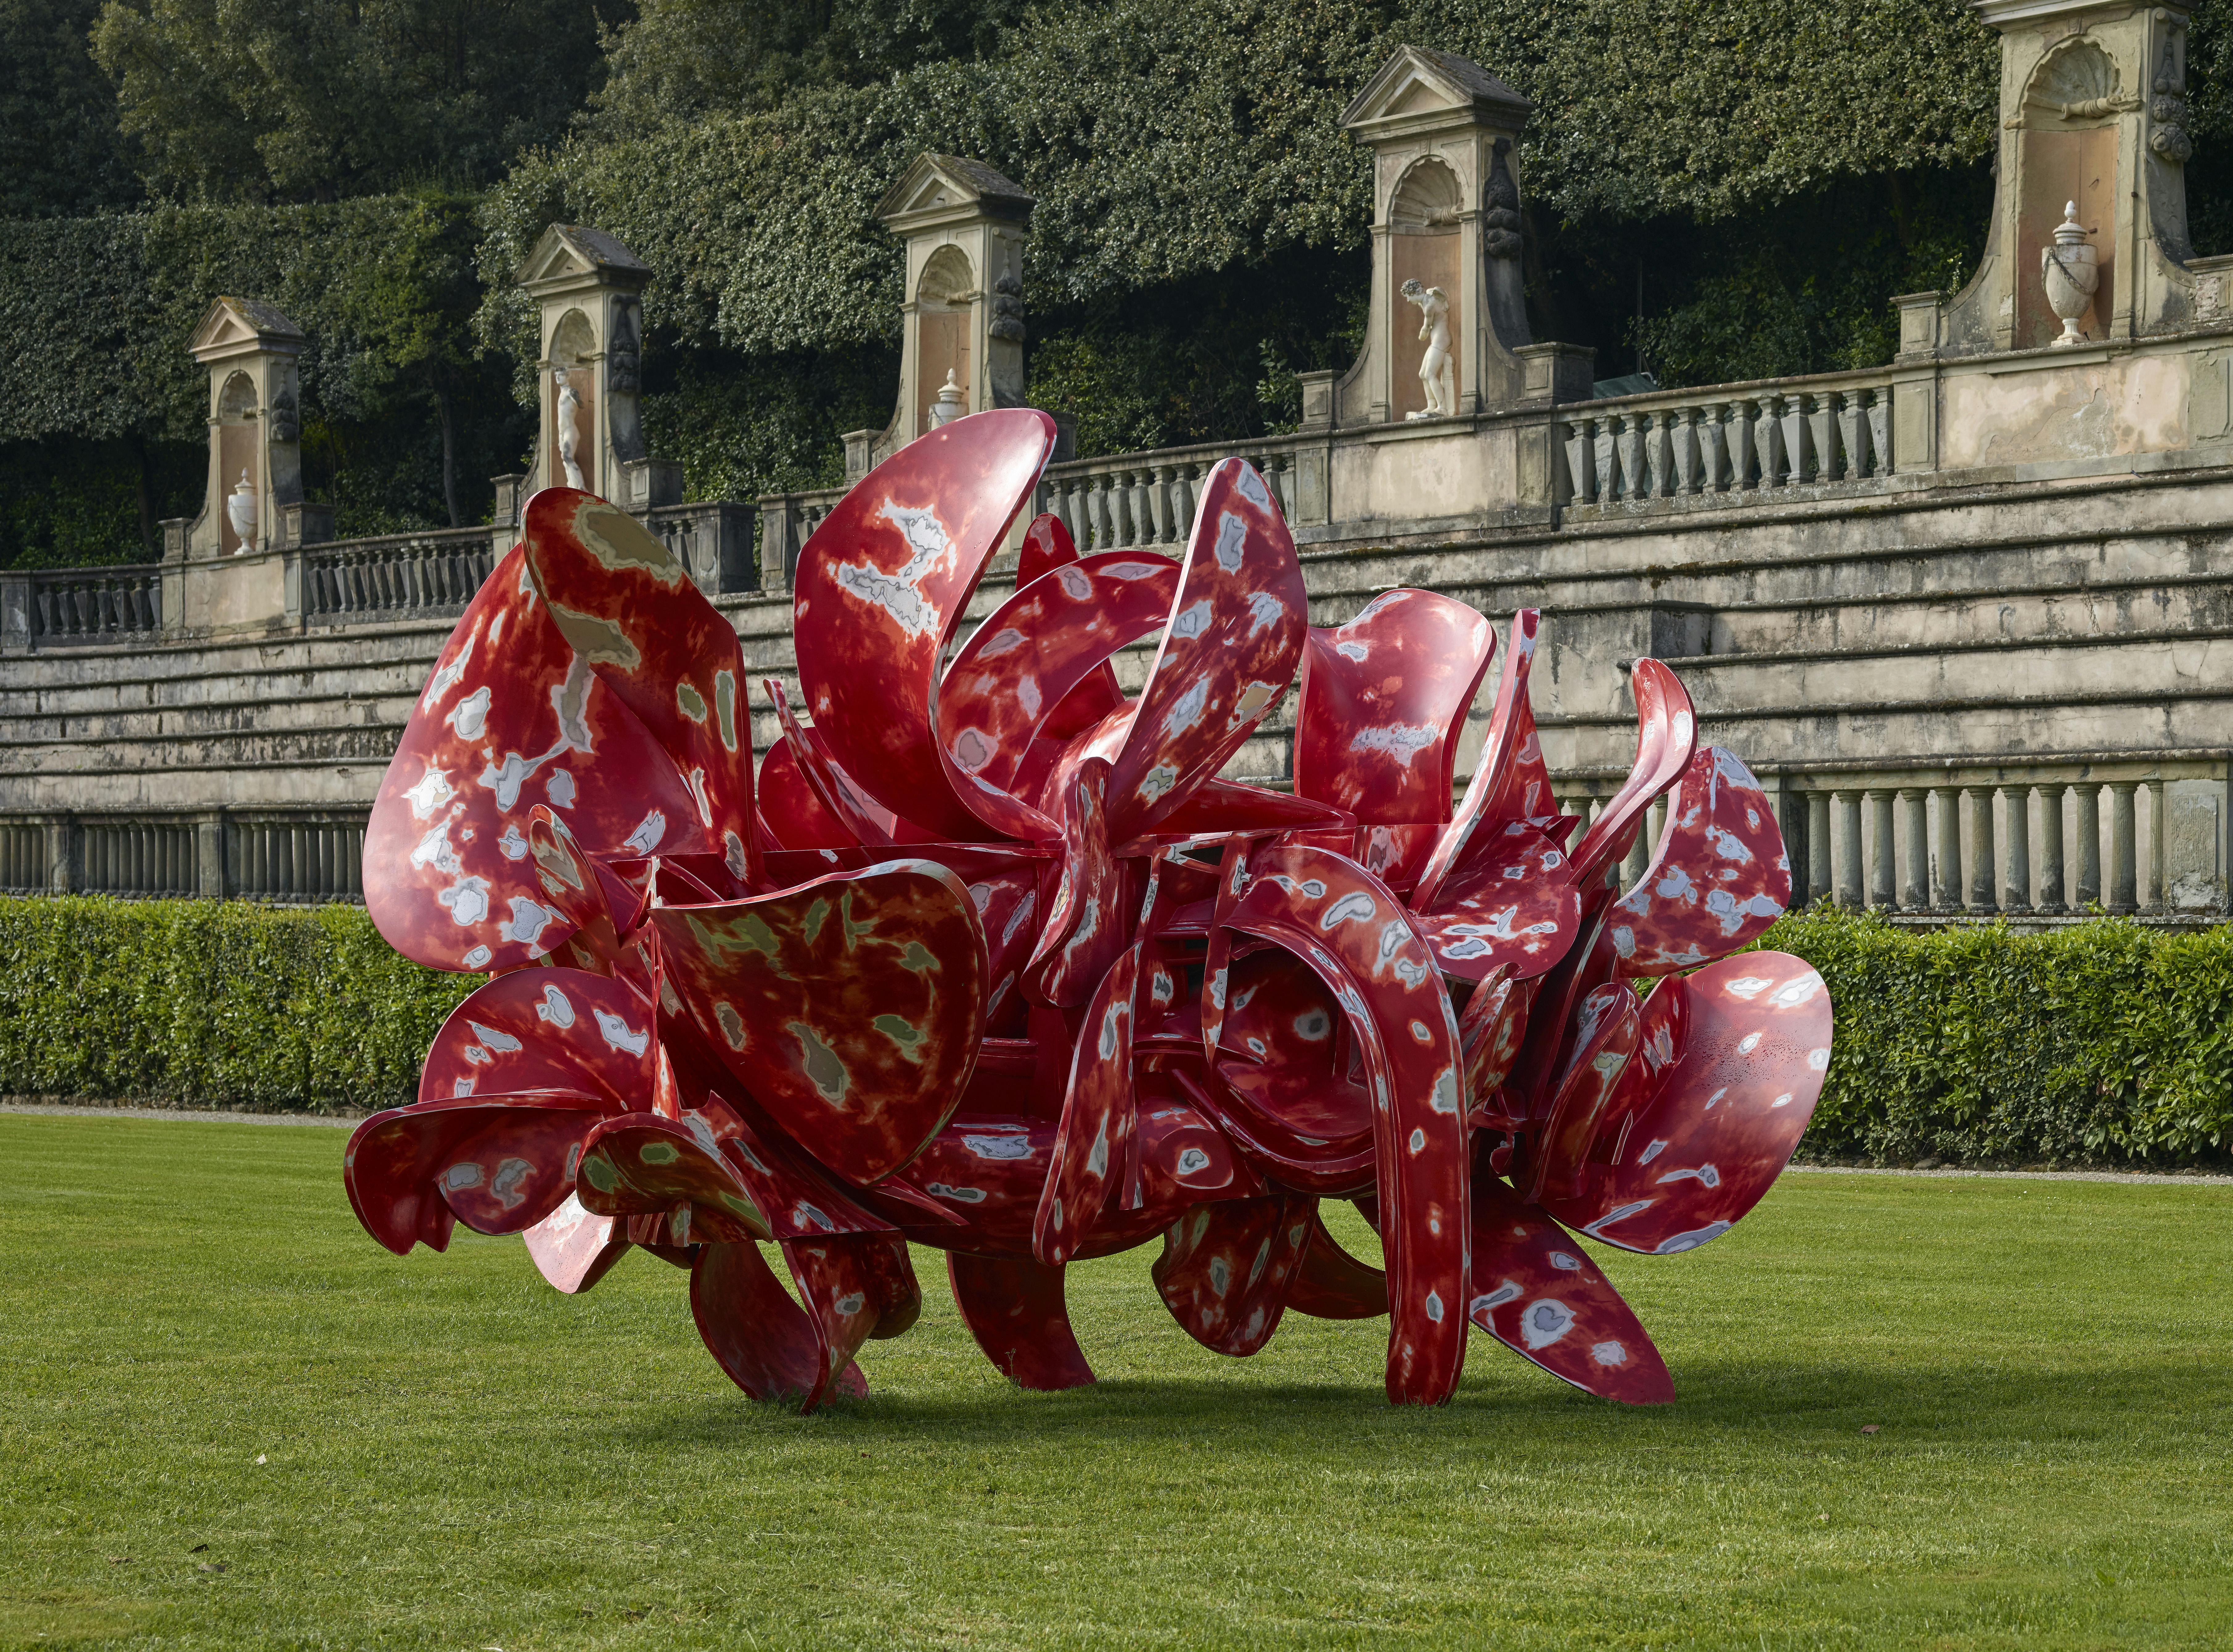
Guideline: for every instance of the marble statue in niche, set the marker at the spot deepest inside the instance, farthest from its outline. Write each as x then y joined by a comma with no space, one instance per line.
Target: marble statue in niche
1438,375
569,431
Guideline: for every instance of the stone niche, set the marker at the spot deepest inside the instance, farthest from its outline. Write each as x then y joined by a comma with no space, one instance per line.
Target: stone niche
1444,134
252,352
588,291
2092,110
964,226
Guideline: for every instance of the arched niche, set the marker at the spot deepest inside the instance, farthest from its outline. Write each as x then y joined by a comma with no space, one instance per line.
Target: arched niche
239,452
942,297
2069,136
573,343
1424,227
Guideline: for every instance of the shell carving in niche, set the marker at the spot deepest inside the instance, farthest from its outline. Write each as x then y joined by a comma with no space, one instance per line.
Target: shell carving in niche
2077,81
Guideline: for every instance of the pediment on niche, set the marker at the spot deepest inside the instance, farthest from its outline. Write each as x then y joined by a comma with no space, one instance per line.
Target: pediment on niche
230,326
1416,83
946,182
567,251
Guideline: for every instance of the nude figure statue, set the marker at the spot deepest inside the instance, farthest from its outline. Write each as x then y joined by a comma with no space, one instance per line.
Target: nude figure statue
569,431
1438,375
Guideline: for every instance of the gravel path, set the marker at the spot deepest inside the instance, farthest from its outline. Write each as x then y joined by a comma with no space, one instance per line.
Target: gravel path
2178,1177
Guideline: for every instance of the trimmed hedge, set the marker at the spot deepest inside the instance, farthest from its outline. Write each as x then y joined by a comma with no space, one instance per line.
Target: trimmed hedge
211,1003
2106,1042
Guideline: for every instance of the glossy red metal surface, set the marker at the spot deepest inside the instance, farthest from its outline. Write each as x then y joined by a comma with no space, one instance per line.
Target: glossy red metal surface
995,960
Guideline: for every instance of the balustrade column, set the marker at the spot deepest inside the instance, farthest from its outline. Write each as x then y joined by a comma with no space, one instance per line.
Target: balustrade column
1915,886
2124,889
1606,440
2155,846
1685,424
1161,499
1659,437
2053,892
1981,867
1822,434
1946,887
2089,843
1635,478
1818,884
1880,455
1849,851
1714,434
1797,440
1744,445
2015,891
1852,435
1774,444
1880,851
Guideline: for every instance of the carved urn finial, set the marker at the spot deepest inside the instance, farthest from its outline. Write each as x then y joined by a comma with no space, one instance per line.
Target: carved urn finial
948,406
2070,271
240,511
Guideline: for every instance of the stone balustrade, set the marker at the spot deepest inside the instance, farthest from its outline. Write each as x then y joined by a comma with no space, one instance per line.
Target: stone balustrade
65,607
395,576
288,856
2042,839
1727,442
1136,500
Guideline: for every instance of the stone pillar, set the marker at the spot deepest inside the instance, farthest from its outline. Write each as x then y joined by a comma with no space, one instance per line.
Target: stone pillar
2016,889
1849,851
252,351
2093,109
2124,889
1981,848
1880,851
1915,886
1443,134
63,837
2155,846
588,290
209,855
2089,843
1946,888
2054,890
1818,886
961,312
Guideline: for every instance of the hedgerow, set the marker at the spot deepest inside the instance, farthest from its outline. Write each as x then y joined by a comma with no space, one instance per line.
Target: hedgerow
211,1003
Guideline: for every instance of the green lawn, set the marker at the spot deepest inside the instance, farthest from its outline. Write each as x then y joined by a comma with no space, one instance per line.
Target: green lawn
231,1420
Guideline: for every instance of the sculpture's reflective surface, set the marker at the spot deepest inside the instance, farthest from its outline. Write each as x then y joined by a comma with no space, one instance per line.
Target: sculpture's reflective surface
989,959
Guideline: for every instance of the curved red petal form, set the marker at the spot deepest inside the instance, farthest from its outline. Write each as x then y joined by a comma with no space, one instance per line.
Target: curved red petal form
1333,1284
1732,1060
1666,736
1349,927
1095,1136
849,1008
1225,1267
1537,1291
873,824
1084,934
988,1170
510,718
1384,702
640,1163
1511,906
628,606
755,1332
1607,1029
1015,1311
573,1249
880,587
499,1163
844,1295
1488,1034
1286,1063
1221,806
1490,795
1234,639
800,1201
790,808
1026,660
1185,1158
1047,545
1718,878
546,1029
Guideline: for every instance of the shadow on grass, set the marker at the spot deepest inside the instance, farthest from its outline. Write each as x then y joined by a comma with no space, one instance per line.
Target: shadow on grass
1951,1402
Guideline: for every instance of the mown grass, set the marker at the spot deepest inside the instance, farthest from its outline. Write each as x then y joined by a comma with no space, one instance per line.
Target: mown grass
206,1365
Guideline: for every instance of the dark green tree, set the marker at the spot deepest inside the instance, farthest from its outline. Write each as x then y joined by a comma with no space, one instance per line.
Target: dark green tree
61,149
320,100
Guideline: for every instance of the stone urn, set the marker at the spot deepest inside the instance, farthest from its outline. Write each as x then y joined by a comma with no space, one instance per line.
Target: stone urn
948,406
2070,271
240,511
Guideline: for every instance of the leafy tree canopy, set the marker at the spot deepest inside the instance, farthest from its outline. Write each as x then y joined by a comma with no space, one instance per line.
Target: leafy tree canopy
321,100
61,149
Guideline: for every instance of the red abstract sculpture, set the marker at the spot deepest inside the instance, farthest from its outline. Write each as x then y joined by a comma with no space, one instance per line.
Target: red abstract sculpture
987,958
